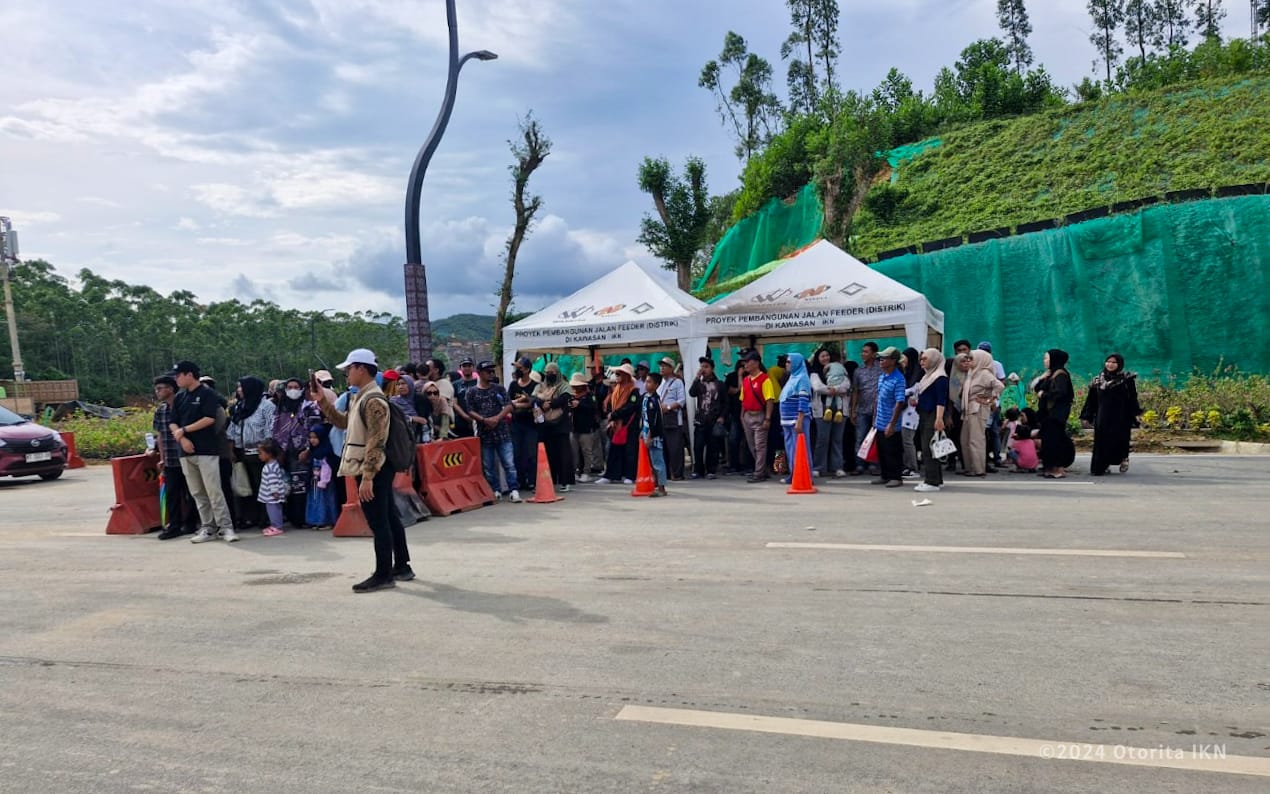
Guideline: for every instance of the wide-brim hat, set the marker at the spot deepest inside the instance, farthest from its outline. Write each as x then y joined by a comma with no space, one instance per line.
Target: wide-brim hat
579,379
627,368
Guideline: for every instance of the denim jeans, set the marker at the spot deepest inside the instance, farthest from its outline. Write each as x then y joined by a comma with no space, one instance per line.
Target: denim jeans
657,457
493,455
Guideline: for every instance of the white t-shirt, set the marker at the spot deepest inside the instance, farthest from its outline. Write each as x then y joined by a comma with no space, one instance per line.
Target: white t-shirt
446,388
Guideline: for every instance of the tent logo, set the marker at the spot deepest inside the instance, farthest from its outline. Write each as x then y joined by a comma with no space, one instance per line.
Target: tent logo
812,292
853,289
642,308
772,297
607,310
573,314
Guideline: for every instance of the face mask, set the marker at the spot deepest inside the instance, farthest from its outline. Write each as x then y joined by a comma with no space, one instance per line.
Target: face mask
294,394
551,378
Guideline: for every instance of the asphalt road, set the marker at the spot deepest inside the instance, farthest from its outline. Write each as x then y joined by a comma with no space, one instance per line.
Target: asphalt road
606,643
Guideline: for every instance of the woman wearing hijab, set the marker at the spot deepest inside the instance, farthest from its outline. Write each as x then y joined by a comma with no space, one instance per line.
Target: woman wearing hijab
622,407
1112,409
795,408
979,391
294,418
553,396
910,365
401,393
828,456
932,403
1054,398
250,422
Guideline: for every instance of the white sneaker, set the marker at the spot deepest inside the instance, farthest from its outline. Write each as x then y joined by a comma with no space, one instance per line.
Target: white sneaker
603,481
566,488
202,536
926,488
514,496
229,535
626,481
840,473
585,478
816,473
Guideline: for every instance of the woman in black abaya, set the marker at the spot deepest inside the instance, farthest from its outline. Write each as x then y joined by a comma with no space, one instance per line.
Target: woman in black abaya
1055,396
1112,409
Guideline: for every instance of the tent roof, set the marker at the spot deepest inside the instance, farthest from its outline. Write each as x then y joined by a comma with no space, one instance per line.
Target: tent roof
821,288
624,306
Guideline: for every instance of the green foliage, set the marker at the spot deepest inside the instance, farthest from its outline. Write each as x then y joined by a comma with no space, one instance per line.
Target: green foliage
1106,16
1211,60
677,234
465,327
1014,22
1225,403
114,337
815,30
102,439
747,107
1122,147
780,170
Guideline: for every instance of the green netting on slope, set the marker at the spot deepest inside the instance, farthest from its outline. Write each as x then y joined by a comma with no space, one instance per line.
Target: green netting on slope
762,237
903,154
1172,288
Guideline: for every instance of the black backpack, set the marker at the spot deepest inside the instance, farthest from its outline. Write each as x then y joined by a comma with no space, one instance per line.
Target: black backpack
399,449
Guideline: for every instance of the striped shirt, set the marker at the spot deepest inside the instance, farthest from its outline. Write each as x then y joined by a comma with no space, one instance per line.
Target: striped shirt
793,405
274,485
890,392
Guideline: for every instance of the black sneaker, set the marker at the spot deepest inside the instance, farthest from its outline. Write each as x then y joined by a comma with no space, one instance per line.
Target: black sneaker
168,534
374,583
403,574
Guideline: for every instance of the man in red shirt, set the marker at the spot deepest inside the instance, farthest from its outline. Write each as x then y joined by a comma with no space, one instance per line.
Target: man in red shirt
758,397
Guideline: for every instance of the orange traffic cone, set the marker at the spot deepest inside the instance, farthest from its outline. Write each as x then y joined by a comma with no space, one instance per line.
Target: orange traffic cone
645,481
800,482
545,490
352,521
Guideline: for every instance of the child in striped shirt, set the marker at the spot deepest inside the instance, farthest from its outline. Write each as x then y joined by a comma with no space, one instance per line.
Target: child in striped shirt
274,485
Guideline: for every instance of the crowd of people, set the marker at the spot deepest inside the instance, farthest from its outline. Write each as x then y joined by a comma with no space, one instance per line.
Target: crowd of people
277,455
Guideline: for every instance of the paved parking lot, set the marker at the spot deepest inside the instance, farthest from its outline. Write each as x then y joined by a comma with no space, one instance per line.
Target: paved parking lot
1015,635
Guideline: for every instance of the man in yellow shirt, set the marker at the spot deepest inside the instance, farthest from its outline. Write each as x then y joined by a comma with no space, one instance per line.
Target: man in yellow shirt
758,398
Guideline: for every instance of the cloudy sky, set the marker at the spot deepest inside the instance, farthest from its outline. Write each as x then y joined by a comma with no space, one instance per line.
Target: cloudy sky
261,149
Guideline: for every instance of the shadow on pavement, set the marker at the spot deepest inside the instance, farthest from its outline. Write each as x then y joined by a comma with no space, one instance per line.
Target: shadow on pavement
510,608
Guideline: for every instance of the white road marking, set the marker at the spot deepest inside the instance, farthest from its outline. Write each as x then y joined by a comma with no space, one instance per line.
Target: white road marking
1172,555
1193,759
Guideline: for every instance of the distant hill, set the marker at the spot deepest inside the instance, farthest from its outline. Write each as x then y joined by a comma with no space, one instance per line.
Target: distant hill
464,328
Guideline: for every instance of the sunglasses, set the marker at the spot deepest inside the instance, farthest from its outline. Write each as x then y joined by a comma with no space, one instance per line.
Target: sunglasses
432,393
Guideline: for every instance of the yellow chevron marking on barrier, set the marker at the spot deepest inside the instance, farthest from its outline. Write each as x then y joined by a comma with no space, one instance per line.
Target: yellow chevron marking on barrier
452,460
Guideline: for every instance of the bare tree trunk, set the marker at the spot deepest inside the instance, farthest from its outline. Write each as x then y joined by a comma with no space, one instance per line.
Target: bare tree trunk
530,151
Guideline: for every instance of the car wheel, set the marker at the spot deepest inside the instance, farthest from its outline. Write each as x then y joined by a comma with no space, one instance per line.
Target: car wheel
53,475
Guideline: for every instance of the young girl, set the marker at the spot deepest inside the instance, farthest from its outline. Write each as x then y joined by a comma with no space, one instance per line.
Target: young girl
1022,450
274,485
835,379
321,510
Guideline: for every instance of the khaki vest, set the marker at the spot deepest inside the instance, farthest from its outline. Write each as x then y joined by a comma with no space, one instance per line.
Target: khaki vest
355,437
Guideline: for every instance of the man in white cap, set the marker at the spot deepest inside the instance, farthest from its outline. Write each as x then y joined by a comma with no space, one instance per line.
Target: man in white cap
365,458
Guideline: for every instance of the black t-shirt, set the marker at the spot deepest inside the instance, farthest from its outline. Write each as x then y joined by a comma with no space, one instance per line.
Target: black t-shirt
731,402
526,416
191,406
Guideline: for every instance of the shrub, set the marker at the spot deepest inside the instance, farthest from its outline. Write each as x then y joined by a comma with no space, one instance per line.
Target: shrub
102,439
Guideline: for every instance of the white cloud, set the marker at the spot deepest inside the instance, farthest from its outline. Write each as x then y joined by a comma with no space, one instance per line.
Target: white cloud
188,225
21,218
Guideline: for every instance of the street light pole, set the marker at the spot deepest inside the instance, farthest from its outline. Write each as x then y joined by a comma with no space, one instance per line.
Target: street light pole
8,257
418,325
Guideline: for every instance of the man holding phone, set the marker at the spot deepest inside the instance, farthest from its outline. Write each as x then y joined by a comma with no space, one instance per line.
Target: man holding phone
365,458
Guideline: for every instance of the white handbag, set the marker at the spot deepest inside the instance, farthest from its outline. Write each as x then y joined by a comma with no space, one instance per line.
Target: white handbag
941,446
909,420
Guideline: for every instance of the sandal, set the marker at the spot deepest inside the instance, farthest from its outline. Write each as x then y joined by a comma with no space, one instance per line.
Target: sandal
1124,467
1056,476
272,532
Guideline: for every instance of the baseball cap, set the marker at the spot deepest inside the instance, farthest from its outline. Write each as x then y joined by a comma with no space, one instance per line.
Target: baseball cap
669,362
322,376
985,347
525,361
484,363
706,360
466,362
752,355
890,352
392,374
359,356
643,365
1014,377
208,380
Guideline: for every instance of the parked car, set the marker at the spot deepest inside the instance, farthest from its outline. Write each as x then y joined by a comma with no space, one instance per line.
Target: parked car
28,449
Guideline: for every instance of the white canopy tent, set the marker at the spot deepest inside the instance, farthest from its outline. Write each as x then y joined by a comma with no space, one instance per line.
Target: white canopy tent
824,293
627,311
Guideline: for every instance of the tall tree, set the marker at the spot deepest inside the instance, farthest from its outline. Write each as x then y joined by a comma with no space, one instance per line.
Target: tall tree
1208,17
1141,25
1174,23
1107,16
529,150
1012,16
683,214
748,105
804,94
